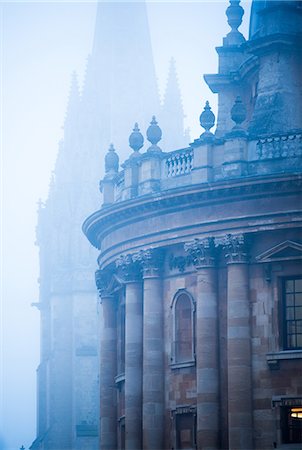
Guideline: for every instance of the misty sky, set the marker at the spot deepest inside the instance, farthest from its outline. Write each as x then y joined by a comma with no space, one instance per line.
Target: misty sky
42,42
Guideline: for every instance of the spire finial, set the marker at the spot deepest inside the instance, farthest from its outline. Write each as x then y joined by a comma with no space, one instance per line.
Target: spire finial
234,14
207,120
136,139
111,160
154,134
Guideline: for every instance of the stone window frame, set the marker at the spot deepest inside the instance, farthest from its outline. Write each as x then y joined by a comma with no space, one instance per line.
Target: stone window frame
283,334
179,411
192,361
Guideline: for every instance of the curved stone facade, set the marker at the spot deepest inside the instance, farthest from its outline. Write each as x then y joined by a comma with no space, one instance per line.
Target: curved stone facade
200,268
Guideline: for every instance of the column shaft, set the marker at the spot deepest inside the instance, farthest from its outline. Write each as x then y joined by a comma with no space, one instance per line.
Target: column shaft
239,359
133,366
108,426
207,360
153,366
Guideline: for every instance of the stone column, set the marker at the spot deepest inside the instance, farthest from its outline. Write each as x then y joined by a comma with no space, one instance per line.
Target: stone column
238,344
108,418
153,357
207,369
130,271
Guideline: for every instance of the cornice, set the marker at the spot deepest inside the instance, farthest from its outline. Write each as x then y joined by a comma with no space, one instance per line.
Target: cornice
96,225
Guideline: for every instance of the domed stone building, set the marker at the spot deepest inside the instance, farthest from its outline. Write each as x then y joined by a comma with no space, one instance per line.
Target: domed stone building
200,261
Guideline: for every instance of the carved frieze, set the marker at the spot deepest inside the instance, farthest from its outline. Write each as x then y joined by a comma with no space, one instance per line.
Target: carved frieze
180,262
202,252
234,246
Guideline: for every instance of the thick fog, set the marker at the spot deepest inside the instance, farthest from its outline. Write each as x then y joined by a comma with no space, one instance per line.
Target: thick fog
42,43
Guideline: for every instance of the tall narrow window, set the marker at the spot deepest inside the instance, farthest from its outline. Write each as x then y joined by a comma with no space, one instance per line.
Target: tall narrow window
292,313
183,327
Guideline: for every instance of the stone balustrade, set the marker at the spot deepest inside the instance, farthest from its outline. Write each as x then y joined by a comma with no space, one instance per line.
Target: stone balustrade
179,163
286,146
206,161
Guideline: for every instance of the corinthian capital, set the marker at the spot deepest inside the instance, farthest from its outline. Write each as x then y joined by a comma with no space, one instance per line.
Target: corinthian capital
102,280
234,246
151,261
128,268
202,252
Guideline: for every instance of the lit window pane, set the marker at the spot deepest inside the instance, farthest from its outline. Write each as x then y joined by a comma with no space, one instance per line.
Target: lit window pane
289,286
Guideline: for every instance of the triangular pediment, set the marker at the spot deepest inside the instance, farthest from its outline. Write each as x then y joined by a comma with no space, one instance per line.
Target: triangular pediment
287,250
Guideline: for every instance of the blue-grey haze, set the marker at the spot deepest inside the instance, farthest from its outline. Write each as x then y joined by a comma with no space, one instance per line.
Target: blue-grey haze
42,42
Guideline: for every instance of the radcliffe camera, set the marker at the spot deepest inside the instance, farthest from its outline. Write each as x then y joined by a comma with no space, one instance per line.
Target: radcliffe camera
169,240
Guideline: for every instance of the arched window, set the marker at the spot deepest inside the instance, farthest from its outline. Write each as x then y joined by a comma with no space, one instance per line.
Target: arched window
183,310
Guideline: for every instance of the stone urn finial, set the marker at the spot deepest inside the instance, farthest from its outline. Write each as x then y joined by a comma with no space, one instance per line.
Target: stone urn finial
238,113
207,120
234,14
111,160
154,134
136,139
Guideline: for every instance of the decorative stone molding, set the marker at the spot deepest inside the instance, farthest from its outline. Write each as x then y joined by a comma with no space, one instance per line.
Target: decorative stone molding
180,262
128,268
234,246
202,252
150,261
102,281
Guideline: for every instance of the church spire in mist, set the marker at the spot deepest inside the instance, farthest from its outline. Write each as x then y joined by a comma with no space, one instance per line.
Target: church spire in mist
172,112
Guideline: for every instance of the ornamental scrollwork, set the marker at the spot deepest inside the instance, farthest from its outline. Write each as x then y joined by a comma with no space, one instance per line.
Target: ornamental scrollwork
102,280
128,268
202,252
150,260
234,246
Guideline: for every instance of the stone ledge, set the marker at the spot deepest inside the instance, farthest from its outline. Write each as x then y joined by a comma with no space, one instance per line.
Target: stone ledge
274,358
182,364
284,354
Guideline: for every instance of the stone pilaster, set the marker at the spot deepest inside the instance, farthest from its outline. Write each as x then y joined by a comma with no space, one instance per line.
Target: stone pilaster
108,421
153,358
202,252
238,343
130,271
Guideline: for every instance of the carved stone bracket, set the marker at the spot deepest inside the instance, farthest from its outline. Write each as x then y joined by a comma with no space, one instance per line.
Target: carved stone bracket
234,246
150,261
128,268
202,252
